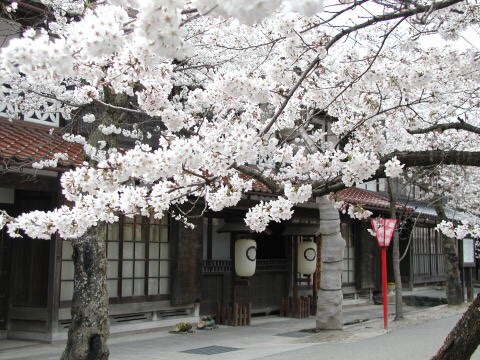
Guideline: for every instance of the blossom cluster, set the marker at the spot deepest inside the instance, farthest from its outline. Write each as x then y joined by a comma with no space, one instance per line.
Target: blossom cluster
354,211
459,231
50,162
260,215
393,168
261,90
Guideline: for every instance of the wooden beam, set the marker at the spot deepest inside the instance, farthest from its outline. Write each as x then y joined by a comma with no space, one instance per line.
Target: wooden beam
28,182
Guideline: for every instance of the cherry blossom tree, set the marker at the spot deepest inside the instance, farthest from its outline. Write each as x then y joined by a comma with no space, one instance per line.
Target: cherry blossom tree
302,96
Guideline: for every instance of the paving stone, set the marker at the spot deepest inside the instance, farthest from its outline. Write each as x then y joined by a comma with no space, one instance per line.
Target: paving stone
211,350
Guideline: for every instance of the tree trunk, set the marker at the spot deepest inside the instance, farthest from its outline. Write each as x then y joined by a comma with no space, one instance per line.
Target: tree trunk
396,256
330,297
464,338
88,333
398,277
453,284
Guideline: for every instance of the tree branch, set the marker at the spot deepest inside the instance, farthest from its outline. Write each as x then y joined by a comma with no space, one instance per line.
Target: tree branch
441,127
418,9
410,159
257,175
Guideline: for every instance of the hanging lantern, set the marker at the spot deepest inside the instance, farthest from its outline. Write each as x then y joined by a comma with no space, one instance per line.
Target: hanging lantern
307,257
245,257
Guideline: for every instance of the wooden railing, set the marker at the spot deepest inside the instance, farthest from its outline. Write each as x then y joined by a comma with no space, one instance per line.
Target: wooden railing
234,315
272,265
299,307
263,265
216,266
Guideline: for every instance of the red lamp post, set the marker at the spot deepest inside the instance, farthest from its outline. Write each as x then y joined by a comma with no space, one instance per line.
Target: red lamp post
383,229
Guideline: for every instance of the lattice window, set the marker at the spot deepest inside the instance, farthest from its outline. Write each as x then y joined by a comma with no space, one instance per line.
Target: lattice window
66,288
348,274
138,259
428,257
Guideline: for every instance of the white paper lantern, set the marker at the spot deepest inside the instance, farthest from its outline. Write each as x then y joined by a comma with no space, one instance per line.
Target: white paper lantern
307,257
245,257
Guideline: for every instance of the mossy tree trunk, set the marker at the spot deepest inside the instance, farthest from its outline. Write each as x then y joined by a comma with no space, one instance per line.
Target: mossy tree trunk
88,333
330,297
453,284
397,277
464,338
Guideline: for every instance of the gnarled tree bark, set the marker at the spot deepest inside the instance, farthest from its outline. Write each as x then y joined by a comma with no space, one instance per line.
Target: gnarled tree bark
464,338
88,333
453,284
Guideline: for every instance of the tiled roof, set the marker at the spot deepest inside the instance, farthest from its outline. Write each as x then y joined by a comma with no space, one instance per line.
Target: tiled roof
260,188
367,199
356,196
22,143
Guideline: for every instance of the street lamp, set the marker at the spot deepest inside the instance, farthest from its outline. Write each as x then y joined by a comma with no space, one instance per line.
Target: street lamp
384,229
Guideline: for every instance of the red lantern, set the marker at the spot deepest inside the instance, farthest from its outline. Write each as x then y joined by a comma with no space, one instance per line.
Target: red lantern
384,229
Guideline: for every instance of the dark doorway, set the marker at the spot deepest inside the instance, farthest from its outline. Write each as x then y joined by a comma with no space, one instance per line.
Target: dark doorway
5,253
30,257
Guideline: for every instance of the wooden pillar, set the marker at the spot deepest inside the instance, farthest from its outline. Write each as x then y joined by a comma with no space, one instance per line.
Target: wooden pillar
186,263
233,276
209,237
316,276
469,283
54,275
295,267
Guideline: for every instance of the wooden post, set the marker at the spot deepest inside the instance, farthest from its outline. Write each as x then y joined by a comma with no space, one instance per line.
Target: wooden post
235,314
295,266
233,276
469,284
244,313
316,276
384,287
54,275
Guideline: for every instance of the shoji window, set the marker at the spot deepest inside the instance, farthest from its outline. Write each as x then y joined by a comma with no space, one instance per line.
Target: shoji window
66,285
348,274
138,259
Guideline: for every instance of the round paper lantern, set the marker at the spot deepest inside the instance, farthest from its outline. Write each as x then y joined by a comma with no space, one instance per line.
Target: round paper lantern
307,257
245,257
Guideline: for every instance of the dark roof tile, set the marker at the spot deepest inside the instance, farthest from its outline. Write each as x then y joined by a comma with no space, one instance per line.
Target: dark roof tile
22,142
365,198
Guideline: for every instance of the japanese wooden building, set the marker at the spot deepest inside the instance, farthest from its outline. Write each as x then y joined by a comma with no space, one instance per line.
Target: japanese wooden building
160,272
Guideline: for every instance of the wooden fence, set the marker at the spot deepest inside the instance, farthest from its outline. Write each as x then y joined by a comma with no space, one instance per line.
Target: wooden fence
234,315
299,307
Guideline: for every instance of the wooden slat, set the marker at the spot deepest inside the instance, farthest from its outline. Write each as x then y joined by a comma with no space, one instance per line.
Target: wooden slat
234,314
186,264
297,307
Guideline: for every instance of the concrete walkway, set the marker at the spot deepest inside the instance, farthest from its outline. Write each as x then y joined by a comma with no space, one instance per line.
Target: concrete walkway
266,336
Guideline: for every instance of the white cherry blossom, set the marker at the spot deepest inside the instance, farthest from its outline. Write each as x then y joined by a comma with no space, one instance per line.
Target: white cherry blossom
272,90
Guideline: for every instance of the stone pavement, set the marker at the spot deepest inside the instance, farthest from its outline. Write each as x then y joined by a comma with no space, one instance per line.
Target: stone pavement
266,336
